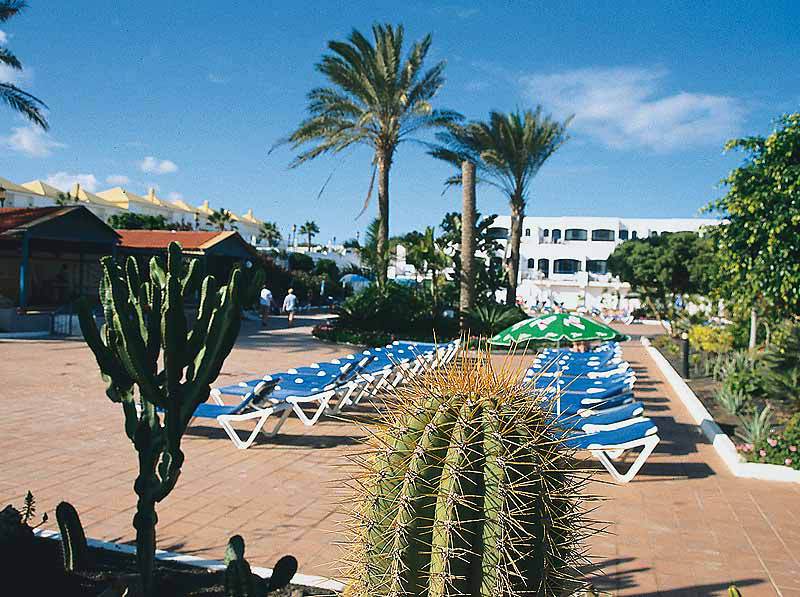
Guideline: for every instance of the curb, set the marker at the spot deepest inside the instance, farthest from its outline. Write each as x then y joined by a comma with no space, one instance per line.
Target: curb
317,582
718,438
23,335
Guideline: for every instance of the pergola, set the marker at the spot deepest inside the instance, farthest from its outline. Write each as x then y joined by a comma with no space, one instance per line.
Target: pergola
50,255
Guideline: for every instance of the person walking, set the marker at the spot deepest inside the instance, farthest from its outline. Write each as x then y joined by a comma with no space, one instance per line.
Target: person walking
289,305
266,303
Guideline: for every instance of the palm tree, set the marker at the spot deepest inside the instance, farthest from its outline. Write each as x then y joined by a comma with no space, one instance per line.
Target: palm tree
23,102
269,231
221,218
451,140
310,229
426,255
376,98
64,199
508,152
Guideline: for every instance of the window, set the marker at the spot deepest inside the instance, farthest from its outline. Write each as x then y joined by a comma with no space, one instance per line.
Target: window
623,235
531,263
546,232
497,233
596,266
544,267
556,235
527,232
634,235
603,234
566,266
575,234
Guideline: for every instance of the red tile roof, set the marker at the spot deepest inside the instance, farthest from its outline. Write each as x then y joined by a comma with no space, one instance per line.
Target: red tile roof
159,239
14,217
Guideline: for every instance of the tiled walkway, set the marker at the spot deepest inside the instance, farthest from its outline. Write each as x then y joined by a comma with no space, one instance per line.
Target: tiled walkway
684,526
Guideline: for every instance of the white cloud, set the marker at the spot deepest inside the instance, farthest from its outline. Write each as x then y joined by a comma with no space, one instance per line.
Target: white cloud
3,37
173,196
153,165
65,180
117,179
624,108
31,141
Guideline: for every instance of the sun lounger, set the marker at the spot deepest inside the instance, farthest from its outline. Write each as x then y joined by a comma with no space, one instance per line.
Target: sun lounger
608,445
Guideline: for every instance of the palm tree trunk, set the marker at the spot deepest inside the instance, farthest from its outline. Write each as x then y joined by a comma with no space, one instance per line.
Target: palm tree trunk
309,242
467,297
517,214
384,159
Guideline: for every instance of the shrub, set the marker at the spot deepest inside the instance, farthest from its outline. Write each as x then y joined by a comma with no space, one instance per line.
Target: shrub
741,374
327,267
487,320
300,262
714,339
391,311
781,365
782,447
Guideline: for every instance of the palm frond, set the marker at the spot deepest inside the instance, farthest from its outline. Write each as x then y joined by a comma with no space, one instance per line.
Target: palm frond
23,102
9,8
8,58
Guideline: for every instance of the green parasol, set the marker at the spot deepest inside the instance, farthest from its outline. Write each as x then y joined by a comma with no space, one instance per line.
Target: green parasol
555,328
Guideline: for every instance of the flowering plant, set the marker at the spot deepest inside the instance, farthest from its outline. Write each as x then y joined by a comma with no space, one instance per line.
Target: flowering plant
778,448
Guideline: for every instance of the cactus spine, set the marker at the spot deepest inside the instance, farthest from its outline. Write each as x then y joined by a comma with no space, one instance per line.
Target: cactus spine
145,320
73,540
239,580
468,491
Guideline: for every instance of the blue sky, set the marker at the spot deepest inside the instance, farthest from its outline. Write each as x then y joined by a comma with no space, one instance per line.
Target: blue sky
189,96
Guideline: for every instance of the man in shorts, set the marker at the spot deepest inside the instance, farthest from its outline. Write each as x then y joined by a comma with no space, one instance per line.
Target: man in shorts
290,305
265,302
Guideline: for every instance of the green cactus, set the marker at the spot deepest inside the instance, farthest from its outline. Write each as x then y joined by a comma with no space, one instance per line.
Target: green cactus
282,573
468,491
73,539
145,320
239,579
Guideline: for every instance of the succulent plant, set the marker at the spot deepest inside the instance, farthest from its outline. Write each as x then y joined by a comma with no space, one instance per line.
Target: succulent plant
468,490
239,579
73,540
147,344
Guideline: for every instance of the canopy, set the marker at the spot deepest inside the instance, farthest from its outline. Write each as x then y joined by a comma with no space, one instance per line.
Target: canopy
554,328
354,279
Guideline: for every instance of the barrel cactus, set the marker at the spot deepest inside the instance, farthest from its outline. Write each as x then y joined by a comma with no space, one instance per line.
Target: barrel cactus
467,491
159,367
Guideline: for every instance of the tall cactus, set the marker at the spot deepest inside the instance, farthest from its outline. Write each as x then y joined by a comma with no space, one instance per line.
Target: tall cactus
145,320
467,491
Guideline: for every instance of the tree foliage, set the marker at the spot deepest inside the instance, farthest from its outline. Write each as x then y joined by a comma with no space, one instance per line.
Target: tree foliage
133,221
759,242
269,232
508,150
221,219
488,267
376,97
661,268
18,100
310,230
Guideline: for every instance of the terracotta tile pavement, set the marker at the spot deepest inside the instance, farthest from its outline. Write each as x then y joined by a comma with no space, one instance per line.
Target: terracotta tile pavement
684,526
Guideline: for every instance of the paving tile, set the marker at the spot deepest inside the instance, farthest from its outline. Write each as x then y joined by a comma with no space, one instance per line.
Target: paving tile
684,526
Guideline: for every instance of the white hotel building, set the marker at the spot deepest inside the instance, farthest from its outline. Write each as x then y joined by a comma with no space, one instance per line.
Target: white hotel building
563,259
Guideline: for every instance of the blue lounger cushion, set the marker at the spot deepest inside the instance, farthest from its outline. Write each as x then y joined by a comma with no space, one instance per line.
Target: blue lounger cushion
602,417
599,440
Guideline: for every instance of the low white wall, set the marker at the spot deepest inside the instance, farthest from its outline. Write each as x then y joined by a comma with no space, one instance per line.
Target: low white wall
722,443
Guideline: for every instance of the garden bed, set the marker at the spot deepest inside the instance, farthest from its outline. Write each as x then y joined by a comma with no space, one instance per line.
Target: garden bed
772,458
39,569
